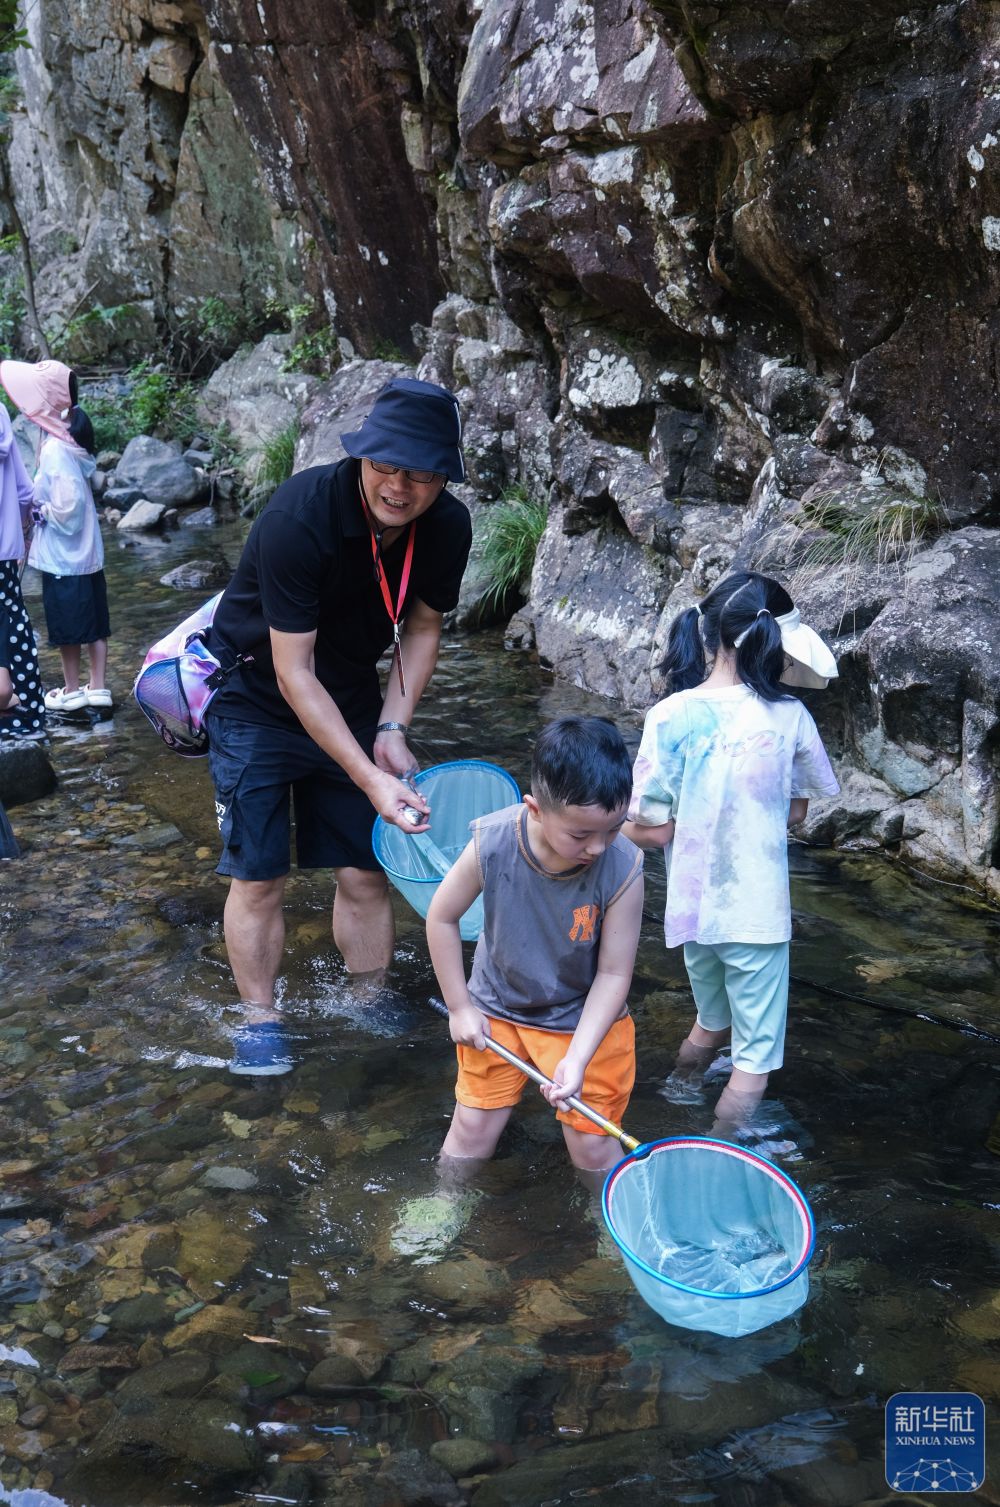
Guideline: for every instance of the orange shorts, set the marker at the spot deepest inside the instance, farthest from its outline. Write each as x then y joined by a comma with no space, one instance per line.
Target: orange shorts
486,1081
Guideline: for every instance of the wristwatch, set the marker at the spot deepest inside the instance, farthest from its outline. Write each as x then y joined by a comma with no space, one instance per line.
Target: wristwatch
393,727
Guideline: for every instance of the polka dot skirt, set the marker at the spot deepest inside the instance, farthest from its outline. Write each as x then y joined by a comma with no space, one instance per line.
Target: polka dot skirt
18,653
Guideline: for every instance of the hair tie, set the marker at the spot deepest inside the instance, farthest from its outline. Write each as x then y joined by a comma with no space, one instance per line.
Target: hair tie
741,636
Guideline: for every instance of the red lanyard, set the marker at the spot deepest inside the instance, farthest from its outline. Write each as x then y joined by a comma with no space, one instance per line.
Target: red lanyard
394,612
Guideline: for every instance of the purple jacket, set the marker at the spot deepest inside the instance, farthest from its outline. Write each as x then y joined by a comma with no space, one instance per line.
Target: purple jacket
16,492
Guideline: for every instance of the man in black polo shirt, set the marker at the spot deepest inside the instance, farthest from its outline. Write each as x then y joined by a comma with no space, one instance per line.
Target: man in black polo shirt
344,561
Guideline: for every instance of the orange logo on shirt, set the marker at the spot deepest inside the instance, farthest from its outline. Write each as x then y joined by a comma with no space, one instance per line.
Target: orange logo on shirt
584,920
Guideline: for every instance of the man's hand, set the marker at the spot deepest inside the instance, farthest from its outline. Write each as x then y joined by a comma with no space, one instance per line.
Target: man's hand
392,754
392,799
469,1027
567,1081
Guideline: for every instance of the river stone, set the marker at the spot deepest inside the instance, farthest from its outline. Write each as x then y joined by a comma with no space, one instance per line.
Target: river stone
199,575
200,518
464,1456
122,497
148,1310
413,1480
264,1368
335,1373
212,1437
214,1329
157,469
238,1178
469,1281
25,773
180,1375
84,1357
213,1250
484,1386
143,516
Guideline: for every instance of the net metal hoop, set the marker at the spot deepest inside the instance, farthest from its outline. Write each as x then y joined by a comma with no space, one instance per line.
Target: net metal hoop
677,1143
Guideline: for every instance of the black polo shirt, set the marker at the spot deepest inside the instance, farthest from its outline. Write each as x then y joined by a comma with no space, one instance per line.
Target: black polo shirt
307,565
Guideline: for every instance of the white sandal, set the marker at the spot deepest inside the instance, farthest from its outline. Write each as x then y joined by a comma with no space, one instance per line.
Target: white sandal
98,696
61,700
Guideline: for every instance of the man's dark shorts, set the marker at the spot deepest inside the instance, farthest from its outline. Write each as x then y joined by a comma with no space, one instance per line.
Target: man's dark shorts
253,769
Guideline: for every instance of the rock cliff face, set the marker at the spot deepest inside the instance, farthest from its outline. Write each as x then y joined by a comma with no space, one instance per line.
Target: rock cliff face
137,182
720,282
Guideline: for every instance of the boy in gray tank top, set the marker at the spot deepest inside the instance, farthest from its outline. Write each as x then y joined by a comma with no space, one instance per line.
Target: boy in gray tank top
562,897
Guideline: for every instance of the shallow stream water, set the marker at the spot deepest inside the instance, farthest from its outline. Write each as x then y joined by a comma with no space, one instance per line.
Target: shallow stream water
220,1290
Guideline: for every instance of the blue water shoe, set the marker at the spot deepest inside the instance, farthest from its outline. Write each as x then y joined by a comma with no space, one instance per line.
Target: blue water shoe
262,1050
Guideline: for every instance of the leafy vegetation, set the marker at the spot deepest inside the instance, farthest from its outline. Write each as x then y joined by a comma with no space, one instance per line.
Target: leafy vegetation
511,531
153,402
75,330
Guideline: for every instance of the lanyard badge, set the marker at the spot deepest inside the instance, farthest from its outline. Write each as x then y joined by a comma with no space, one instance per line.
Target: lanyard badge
394,611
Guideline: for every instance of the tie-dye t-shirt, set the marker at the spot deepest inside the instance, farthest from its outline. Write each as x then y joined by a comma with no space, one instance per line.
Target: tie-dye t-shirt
723,764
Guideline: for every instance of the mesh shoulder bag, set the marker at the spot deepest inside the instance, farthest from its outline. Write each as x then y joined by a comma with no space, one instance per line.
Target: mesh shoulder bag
178,680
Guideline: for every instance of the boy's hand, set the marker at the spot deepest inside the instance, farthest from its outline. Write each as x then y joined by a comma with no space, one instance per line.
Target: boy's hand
567,1081
469,1026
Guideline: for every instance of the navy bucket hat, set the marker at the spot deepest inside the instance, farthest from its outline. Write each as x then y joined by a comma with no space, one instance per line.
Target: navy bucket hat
412,424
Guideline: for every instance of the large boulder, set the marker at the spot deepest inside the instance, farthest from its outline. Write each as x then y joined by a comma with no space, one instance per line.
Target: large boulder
253,395
25,772
339,406
159,472
916,704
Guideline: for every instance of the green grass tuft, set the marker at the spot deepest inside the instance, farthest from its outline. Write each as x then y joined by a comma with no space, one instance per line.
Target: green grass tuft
275,463
865,537
511,531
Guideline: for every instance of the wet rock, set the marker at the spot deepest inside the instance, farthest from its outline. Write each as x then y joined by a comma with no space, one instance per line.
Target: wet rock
415,1481
213,1330
137,1315
335,1373
469,1281
200,518
292,1484
121,498
484,1386
84,1357
543,1306
264,1368
197,908
226,1177
198,575
339,407
463,1457
210,1437
213,1250
180,1375
157,469
25,773
143,516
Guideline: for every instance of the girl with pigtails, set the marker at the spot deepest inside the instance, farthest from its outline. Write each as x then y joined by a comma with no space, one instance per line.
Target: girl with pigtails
728,761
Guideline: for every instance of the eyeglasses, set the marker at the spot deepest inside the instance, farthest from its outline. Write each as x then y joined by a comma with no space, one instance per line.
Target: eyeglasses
419,476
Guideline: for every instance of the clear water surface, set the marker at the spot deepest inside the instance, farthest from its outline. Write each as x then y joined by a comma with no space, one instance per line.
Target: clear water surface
223,1291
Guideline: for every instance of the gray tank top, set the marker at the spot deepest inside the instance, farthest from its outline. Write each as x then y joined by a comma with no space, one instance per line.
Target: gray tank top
537,956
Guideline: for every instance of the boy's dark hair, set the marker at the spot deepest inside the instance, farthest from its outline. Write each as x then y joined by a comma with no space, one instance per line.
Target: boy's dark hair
581,761
80,427
746,603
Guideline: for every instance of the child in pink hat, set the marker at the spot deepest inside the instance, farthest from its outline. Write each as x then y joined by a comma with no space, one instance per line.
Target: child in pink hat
66,546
